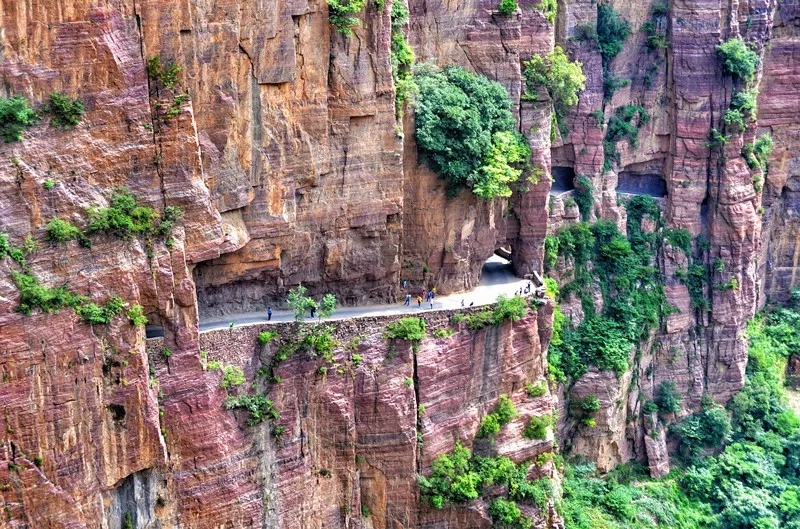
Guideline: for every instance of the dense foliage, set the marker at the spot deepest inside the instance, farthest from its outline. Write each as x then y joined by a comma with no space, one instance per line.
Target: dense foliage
743,469
633,297
561,78
460,477
126,218
66,112
466,132
411,329
612,30
15,115
402,57
738,60
342,14
624,124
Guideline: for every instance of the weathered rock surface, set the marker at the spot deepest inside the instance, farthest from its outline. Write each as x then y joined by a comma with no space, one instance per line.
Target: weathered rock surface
710,192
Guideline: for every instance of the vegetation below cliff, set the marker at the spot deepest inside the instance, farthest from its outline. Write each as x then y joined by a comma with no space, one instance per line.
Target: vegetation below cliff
739,472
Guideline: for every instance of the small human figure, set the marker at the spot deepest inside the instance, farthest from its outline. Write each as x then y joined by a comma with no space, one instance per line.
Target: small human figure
430,296
419,301
405,283
462,302
269,313
313,311
431,300
408,300
424,294
471,303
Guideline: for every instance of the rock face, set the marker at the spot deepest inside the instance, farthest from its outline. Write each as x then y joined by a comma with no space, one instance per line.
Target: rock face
357,433
280,144
709,192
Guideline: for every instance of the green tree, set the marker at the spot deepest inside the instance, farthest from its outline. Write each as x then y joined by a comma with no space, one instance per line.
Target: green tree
737,59
298,302
327,306
466,132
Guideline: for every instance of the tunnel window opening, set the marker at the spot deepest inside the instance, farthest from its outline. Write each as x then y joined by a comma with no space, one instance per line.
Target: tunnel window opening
563,180
650,184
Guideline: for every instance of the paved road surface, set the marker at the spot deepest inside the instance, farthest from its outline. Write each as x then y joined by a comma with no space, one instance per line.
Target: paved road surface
497,278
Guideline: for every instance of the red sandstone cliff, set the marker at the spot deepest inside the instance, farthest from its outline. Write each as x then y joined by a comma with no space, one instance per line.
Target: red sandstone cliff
288,165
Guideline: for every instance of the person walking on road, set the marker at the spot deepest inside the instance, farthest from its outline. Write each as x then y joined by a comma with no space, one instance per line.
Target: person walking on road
419,301
313,311
269,313
408,300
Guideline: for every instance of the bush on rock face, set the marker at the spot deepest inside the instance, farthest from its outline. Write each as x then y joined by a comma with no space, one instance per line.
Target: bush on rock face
466,132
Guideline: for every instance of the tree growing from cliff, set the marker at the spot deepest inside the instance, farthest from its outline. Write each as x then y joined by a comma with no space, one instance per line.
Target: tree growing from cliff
466,132
300,303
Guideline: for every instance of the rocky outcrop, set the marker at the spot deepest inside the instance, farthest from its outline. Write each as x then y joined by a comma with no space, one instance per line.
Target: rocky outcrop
446,241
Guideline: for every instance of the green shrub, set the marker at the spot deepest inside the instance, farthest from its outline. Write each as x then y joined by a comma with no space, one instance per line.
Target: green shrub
504,412
264,337
507,7
583,196
612,31
66,112
166,352
680,239
232,376
745,102
561,78
505,513
550,252
479,320
466,132
536,390
15,115
650,407
29,245
550,10
660,9
443,333
668,399
4,246
34,296
341,14
258,406
537,427
513,309
136,316
458,477
737,59
402,58
61,231
166,73
411,329
125,219
733,118
489,427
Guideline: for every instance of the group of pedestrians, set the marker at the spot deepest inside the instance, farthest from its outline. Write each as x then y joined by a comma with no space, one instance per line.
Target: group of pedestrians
523,291
425,295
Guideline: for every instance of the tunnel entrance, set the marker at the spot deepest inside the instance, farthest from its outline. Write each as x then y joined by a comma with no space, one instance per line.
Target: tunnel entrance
563,180
642,184
498,270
